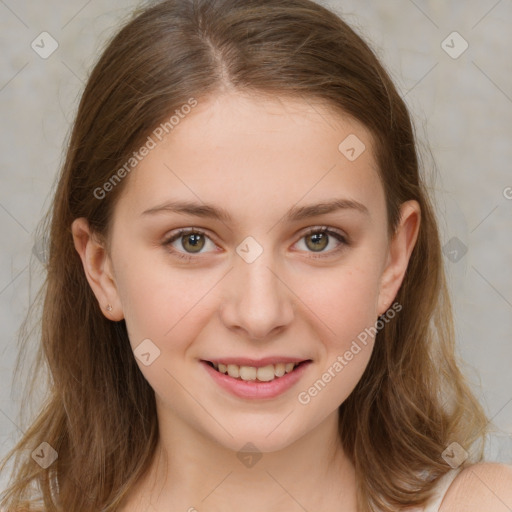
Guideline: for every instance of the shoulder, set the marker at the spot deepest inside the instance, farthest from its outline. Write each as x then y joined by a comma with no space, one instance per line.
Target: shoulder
483,486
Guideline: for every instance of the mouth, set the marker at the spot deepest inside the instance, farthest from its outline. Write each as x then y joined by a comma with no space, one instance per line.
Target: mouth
267,373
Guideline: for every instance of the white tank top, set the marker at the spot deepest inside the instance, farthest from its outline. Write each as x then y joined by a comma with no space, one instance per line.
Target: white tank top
442,487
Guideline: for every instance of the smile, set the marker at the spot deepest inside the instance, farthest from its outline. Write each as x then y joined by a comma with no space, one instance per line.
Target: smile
249,373
262,381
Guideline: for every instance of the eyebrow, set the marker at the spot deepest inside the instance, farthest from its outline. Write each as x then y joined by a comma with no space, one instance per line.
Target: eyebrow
296,213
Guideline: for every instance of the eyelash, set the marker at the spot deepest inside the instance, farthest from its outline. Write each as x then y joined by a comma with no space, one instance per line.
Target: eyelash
315,230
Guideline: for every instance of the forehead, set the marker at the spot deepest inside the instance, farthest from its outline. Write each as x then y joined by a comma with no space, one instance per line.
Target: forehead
258,154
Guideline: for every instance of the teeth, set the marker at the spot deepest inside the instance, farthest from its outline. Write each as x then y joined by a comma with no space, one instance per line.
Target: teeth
279,369
249,373
233,371
266,373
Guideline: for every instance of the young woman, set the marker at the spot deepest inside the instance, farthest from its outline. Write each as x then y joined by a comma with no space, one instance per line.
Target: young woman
245,303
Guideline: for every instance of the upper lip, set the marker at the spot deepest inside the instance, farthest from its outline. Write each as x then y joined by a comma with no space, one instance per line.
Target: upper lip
257,363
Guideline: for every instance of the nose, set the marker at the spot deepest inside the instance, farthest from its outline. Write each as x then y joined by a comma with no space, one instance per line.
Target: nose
258,303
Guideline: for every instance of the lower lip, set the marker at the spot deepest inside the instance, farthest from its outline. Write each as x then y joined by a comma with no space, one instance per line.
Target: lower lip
254,388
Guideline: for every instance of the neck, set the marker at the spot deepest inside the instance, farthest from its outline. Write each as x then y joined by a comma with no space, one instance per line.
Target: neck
192,472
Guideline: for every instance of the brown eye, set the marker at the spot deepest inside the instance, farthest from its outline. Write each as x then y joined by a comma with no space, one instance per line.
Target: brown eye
319,241
187,243
324,241
193,242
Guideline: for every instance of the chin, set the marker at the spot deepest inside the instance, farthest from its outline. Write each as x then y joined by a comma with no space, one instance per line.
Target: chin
261,437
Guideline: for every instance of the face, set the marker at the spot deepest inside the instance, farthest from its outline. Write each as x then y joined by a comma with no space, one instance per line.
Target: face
285,262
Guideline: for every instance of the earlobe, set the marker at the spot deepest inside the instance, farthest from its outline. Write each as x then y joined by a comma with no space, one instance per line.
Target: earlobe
98,268
400,248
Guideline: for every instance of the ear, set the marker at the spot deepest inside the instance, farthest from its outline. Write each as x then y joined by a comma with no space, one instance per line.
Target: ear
400,249
98,268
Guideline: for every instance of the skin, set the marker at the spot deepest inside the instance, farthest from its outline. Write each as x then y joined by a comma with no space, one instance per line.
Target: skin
484,486
256,157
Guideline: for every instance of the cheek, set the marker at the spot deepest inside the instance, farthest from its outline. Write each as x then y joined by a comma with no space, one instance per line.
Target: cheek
164,314
344,303
150,295
344,300
160,304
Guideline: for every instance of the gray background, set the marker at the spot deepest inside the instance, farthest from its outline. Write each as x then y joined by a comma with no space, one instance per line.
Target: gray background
462,109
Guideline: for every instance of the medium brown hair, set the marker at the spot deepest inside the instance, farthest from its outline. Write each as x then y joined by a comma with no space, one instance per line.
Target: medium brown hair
100,415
